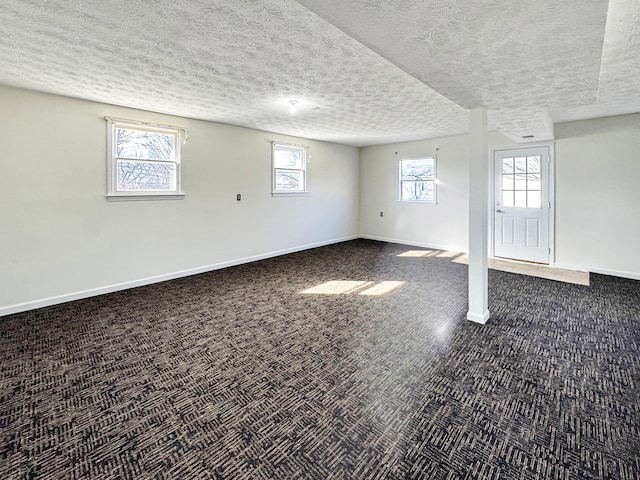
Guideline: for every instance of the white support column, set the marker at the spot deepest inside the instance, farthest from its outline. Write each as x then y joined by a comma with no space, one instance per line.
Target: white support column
478,217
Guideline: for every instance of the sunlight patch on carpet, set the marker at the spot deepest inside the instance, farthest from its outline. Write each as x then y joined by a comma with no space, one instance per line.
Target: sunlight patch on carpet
382,288
336,287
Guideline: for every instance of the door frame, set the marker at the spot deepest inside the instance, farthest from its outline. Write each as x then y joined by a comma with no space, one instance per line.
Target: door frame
551,189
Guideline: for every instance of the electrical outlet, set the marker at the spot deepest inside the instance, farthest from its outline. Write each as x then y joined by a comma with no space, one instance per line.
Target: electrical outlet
382,214
238,197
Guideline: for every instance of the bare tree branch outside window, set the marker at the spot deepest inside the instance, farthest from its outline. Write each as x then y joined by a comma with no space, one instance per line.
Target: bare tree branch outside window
289,163
417,180
146,160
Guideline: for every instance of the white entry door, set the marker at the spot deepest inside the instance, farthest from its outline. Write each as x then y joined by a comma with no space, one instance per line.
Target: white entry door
521,213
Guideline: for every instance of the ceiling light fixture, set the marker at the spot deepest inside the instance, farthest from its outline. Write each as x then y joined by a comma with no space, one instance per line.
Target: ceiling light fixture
293,109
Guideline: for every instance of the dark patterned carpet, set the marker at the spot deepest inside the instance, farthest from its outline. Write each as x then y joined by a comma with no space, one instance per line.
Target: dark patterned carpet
236,374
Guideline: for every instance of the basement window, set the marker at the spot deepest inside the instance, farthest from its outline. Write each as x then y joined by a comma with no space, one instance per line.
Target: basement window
289,169
144,161
417,180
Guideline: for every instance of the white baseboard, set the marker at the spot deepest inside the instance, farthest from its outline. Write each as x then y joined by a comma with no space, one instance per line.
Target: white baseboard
478,318
46,302
602,271
92,292
413,244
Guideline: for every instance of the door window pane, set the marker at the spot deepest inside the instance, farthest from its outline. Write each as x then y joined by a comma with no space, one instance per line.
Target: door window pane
521,164
534,200
521,182
533,164
533,183
507,198
507,165
507,182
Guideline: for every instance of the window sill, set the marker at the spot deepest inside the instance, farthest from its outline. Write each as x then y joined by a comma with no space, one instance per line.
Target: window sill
431,204
127,198
289,194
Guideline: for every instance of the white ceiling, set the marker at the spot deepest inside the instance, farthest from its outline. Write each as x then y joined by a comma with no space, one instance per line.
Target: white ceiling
364,72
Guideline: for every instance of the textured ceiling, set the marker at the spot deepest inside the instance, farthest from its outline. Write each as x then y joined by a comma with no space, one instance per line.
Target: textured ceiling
363,72
234,62
619,81
518,58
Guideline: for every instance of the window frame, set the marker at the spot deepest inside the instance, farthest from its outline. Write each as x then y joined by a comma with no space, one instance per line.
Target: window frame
113,193
305,161
528,179
432,179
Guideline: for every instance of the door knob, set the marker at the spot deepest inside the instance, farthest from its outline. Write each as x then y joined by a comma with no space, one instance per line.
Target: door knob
499,211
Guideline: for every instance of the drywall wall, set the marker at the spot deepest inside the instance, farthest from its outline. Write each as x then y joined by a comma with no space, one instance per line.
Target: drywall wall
598,195
61,239
444,225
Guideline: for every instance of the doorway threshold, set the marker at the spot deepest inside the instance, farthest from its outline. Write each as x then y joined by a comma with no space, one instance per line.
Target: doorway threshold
533,270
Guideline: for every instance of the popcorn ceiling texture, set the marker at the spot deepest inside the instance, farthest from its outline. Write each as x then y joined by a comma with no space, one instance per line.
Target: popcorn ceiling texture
364,72
232,62
515,57
619,84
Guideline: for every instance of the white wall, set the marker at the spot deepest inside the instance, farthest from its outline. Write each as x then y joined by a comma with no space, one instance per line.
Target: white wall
445,225
598,195
61,239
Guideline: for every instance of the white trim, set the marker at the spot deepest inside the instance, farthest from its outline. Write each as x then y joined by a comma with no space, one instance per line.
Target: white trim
304,170
149,196
425,204
552,201
160,126
290,194
551,194
113,124
49,301
474,317
434,180
601,271
46,302
414,244
300,145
